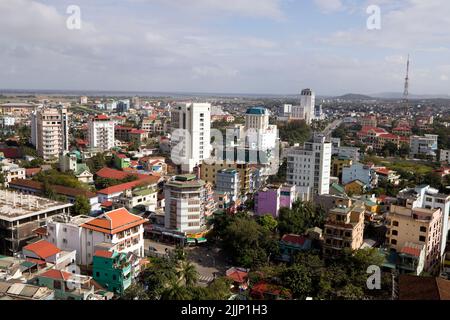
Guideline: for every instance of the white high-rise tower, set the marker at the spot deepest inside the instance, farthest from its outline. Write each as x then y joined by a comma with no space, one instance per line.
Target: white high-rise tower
193,141
307,102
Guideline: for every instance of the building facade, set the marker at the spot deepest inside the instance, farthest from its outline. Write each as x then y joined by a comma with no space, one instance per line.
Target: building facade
50,132
101,133
191,134
310,165
419,226
185,207
344,228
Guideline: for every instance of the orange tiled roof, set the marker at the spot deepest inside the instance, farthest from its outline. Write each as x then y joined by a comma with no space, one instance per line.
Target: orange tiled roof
43,249
56,274
103,253
114,222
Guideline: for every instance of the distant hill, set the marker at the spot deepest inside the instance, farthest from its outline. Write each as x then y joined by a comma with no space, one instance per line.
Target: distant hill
353,96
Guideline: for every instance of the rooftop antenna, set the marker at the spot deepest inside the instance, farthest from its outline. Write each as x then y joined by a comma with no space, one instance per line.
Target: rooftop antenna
405,100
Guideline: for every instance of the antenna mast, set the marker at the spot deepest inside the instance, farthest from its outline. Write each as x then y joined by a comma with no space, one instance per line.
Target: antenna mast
406,91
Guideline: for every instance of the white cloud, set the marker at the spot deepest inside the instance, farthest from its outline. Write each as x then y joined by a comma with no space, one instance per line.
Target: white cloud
329,5
250,8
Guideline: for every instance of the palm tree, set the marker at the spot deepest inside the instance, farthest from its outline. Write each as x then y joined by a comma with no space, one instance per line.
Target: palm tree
175,291
189,273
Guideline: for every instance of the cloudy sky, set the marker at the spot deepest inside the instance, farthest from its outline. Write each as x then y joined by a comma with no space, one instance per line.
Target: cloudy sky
225,46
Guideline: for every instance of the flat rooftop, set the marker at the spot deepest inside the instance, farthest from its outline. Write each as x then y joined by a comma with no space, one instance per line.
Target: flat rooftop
16,206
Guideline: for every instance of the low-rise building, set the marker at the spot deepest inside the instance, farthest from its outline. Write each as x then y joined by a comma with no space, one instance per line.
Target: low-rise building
290,244
417,226
48,252
444,156
227,180
21,291
20,215
344,228
33,187
117,230
424,146
11,172
274,197
362,172
112,270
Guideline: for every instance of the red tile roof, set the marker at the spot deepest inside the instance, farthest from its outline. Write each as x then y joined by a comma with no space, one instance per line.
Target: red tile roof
56,275
138,131
32,171
389,136
103,254
237,275
107,204
43,249
101,117
294,238
11,153
411,251
130,185
114,222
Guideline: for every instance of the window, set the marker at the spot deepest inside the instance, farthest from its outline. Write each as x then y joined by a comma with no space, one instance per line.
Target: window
422,238
114,277
394,232
423,229
395,223
97,274
393,241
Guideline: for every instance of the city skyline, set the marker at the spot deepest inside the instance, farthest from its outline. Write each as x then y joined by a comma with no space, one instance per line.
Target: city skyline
242,47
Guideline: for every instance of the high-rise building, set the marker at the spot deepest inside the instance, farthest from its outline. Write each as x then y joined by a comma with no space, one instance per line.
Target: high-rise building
310,166
307,102
185,204
260,135
191,134
50,132
101,132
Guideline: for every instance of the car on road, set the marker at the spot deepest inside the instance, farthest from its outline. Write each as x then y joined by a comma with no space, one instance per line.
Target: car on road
150,248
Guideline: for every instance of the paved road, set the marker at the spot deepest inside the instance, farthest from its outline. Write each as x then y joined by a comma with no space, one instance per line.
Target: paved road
209,262
332,126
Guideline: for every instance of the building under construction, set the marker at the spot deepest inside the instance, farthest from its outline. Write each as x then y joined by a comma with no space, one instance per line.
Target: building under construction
20,215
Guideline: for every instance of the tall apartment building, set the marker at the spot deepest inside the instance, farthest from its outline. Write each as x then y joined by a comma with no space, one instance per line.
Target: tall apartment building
429,198
426,145
307,102
191,144
260,135
419,226
344,227
101,132
310,166
50,132
306,110
185,205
